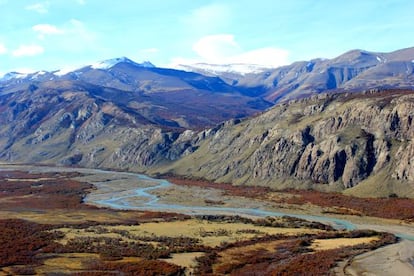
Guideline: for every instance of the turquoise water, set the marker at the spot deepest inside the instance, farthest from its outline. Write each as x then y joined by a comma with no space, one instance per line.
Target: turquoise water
150,202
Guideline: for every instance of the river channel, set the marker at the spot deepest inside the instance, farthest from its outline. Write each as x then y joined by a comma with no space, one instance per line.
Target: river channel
132,191
149,201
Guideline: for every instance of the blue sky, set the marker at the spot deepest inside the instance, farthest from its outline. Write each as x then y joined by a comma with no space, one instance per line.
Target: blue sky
54,34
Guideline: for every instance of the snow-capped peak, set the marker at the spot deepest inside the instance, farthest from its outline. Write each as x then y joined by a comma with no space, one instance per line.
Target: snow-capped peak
38,74
216,69
64,71
19,76
147,64
109,63
106,64
13,75
102,65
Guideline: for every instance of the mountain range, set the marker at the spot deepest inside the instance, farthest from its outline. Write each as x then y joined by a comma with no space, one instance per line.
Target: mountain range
353,71
329,124
164,97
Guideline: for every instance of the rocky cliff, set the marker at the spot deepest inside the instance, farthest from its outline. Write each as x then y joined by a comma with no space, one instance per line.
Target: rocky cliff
84,125
356,142
360,143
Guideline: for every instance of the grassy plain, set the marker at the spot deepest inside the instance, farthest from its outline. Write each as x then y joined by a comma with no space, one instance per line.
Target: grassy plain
46,228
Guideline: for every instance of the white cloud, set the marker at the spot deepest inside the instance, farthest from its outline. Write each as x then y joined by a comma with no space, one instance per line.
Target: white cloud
81,2
73,34
269,56
208,18
38,7
3,49
224,49
216,48
46,29
28,50
72,37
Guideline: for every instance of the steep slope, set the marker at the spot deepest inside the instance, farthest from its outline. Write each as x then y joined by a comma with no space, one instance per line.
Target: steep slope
164,96
121,114
360,142
71,125
353,71
125,74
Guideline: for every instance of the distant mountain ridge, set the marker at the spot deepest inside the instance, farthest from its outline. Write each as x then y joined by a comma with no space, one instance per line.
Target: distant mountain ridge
219,69
135,116
355,70
165,97
109,63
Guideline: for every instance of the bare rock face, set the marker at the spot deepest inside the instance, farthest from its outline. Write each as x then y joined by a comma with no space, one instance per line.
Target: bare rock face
337,140
328,141
75,127
405,163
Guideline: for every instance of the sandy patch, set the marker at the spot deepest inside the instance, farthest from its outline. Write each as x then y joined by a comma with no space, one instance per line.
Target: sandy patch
15,198
210,233
67,216
327,244
29,179
71,234
186,260
396,259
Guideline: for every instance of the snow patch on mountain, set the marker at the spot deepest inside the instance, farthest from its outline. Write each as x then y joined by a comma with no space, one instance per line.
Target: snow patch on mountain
109,63
216,69
106,64
66,70
37,75
13,75
102,65
147,64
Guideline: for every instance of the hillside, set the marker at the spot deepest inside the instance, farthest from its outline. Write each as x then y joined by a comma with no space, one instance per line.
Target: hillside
361,143
355,71
120,114
164,97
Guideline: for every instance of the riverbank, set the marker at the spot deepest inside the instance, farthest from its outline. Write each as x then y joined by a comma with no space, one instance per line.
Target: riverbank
129,191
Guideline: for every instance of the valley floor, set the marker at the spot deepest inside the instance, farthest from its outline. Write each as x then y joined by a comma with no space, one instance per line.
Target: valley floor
204,234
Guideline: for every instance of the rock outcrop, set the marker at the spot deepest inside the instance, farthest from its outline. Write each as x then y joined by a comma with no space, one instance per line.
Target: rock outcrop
327,141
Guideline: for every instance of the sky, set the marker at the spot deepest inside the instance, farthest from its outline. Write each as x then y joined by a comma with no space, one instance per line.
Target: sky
63,34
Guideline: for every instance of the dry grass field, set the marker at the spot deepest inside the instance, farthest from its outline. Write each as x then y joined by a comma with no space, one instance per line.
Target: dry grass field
46,228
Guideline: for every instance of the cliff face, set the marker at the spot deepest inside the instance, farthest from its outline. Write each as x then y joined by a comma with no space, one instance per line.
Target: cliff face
73,126
361,143
328,142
